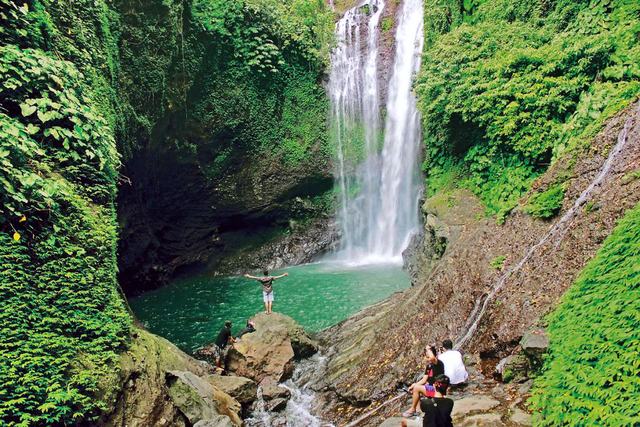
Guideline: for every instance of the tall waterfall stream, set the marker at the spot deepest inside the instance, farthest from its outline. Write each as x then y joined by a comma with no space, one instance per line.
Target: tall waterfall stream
377,169
377,165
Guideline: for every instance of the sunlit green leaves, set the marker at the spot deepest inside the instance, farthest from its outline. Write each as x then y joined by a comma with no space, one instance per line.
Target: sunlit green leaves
518,83
591,374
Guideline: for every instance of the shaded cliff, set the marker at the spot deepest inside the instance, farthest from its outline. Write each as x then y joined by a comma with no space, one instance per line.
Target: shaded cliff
233,149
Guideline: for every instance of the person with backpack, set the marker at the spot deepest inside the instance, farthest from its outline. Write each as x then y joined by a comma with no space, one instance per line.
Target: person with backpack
437,409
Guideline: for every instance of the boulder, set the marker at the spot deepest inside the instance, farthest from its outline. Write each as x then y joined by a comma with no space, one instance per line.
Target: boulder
303,346
535,343
271,390
513,368
242,389
269,351
471,404
276,405
482,420
199,401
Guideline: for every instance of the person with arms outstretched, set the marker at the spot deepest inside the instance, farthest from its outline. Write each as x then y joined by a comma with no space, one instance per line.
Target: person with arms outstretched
267,288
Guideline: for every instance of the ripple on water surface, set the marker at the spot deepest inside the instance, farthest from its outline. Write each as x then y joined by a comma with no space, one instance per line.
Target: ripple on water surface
191,311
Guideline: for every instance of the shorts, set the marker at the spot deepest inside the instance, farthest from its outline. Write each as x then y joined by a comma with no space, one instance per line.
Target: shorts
217,352
429,390
267,296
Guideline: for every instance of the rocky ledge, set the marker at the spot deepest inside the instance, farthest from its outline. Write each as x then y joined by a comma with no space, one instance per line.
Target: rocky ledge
156,384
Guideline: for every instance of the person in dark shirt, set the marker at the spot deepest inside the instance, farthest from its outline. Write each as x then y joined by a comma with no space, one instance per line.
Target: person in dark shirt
251,327
267,288
221,342
425,387
437,411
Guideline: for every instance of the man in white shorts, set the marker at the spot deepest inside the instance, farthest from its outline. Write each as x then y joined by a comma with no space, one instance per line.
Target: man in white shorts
267,288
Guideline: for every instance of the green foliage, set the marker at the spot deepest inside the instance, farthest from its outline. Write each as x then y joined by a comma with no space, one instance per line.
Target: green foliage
505,92
498,262
591,375
263,34
62,321
52,119
386,24
546,204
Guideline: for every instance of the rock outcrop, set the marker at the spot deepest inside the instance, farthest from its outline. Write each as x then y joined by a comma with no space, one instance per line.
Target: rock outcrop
241,389
199,401
159,385
270,351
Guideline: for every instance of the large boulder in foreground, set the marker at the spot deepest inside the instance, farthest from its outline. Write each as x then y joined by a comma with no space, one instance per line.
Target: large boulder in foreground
156,384
199,400
271,350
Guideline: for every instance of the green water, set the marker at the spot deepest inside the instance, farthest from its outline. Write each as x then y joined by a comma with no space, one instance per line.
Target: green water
190,312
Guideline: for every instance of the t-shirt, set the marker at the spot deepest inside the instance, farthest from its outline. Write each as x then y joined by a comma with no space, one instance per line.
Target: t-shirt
437,412
267,283
454,366
433,370
223,337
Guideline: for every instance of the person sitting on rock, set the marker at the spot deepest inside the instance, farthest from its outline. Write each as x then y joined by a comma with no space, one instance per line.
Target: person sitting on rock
267,288
437,411
251,327
425,387
224,337
453,365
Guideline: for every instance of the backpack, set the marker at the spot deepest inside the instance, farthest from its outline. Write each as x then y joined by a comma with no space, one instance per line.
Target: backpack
440,419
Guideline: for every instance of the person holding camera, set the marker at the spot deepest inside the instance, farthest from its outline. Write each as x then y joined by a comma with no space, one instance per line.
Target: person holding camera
425,387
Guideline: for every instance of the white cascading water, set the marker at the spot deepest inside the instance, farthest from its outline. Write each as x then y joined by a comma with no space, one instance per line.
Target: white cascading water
378,188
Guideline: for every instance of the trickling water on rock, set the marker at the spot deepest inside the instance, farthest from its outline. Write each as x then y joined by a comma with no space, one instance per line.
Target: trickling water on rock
557,231
377,176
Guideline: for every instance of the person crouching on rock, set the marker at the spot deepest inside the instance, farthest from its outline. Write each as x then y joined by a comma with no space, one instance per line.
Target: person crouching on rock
224,337
425,387
437,411
267,288
251,327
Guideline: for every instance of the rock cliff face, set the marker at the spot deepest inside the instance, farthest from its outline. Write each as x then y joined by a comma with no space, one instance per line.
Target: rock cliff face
379,349
219,160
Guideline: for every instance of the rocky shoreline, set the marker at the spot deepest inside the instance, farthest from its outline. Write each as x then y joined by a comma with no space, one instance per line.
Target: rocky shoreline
160,385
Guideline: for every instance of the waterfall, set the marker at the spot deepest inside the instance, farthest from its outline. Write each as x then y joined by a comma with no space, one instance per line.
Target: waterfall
377,176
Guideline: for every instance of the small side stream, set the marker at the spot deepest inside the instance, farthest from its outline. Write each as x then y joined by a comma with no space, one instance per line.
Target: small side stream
301,408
